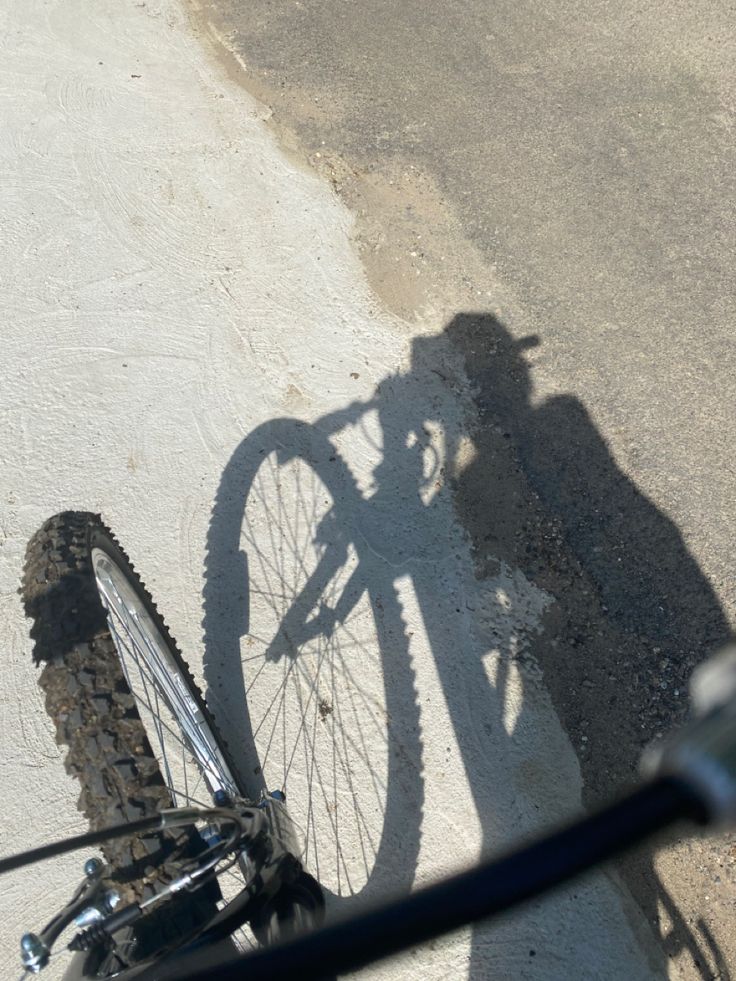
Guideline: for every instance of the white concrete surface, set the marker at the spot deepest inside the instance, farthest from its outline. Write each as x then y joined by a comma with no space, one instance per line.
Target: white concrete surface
168,282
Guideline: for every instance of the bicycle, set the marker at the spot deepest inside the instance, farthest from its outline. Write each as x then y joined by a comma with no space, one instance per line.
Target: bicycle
162,904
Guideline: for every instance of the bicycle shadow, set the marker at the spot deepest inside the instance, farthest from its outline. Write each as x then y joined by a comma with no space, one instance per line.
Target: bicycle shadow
369,497
259,590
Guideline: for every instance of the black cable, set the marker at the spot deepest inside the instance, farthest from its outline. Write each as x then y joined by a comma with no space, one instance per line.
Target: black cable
491,887
87,840
169,818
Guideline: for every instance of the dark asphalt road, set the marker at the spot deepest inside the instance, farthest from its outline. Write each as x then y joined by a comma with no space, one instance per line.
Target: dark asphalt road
586,151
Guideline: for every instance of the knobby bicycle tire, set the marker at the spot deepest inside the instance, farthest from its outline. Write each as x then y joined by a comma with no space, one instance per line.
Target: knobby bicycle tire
97,720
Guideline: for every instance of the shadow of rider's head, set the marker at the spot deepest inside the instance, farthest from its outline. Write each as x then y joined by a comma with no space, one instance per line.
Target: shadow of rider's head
494,361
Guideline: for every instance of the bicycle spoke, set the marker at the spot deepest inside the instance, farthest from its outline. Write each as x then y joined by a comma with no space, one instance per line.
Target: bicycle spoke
143,666
138,645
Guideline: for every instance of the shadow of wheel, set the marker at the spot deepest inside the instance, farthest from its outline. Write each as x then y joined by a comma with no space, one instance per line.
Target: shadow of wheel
307,660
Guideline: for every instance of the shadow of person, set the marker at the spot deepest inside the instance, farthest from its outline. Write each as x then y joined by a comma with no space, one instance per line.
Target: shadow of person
312,635
634,613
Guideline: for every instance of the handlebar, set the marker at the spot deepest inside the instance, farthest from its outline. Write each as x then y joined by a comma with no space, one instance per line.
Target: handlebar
691,777
492,887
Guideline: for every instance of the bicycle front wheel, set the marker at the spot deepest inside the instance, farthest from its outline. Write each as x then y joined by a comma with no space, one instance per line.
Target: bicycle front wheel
138,733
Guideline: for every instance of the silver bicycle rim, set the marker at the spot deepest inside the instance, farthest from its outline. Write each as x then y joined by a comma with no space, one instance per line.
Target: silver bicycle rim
174,723
183,742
